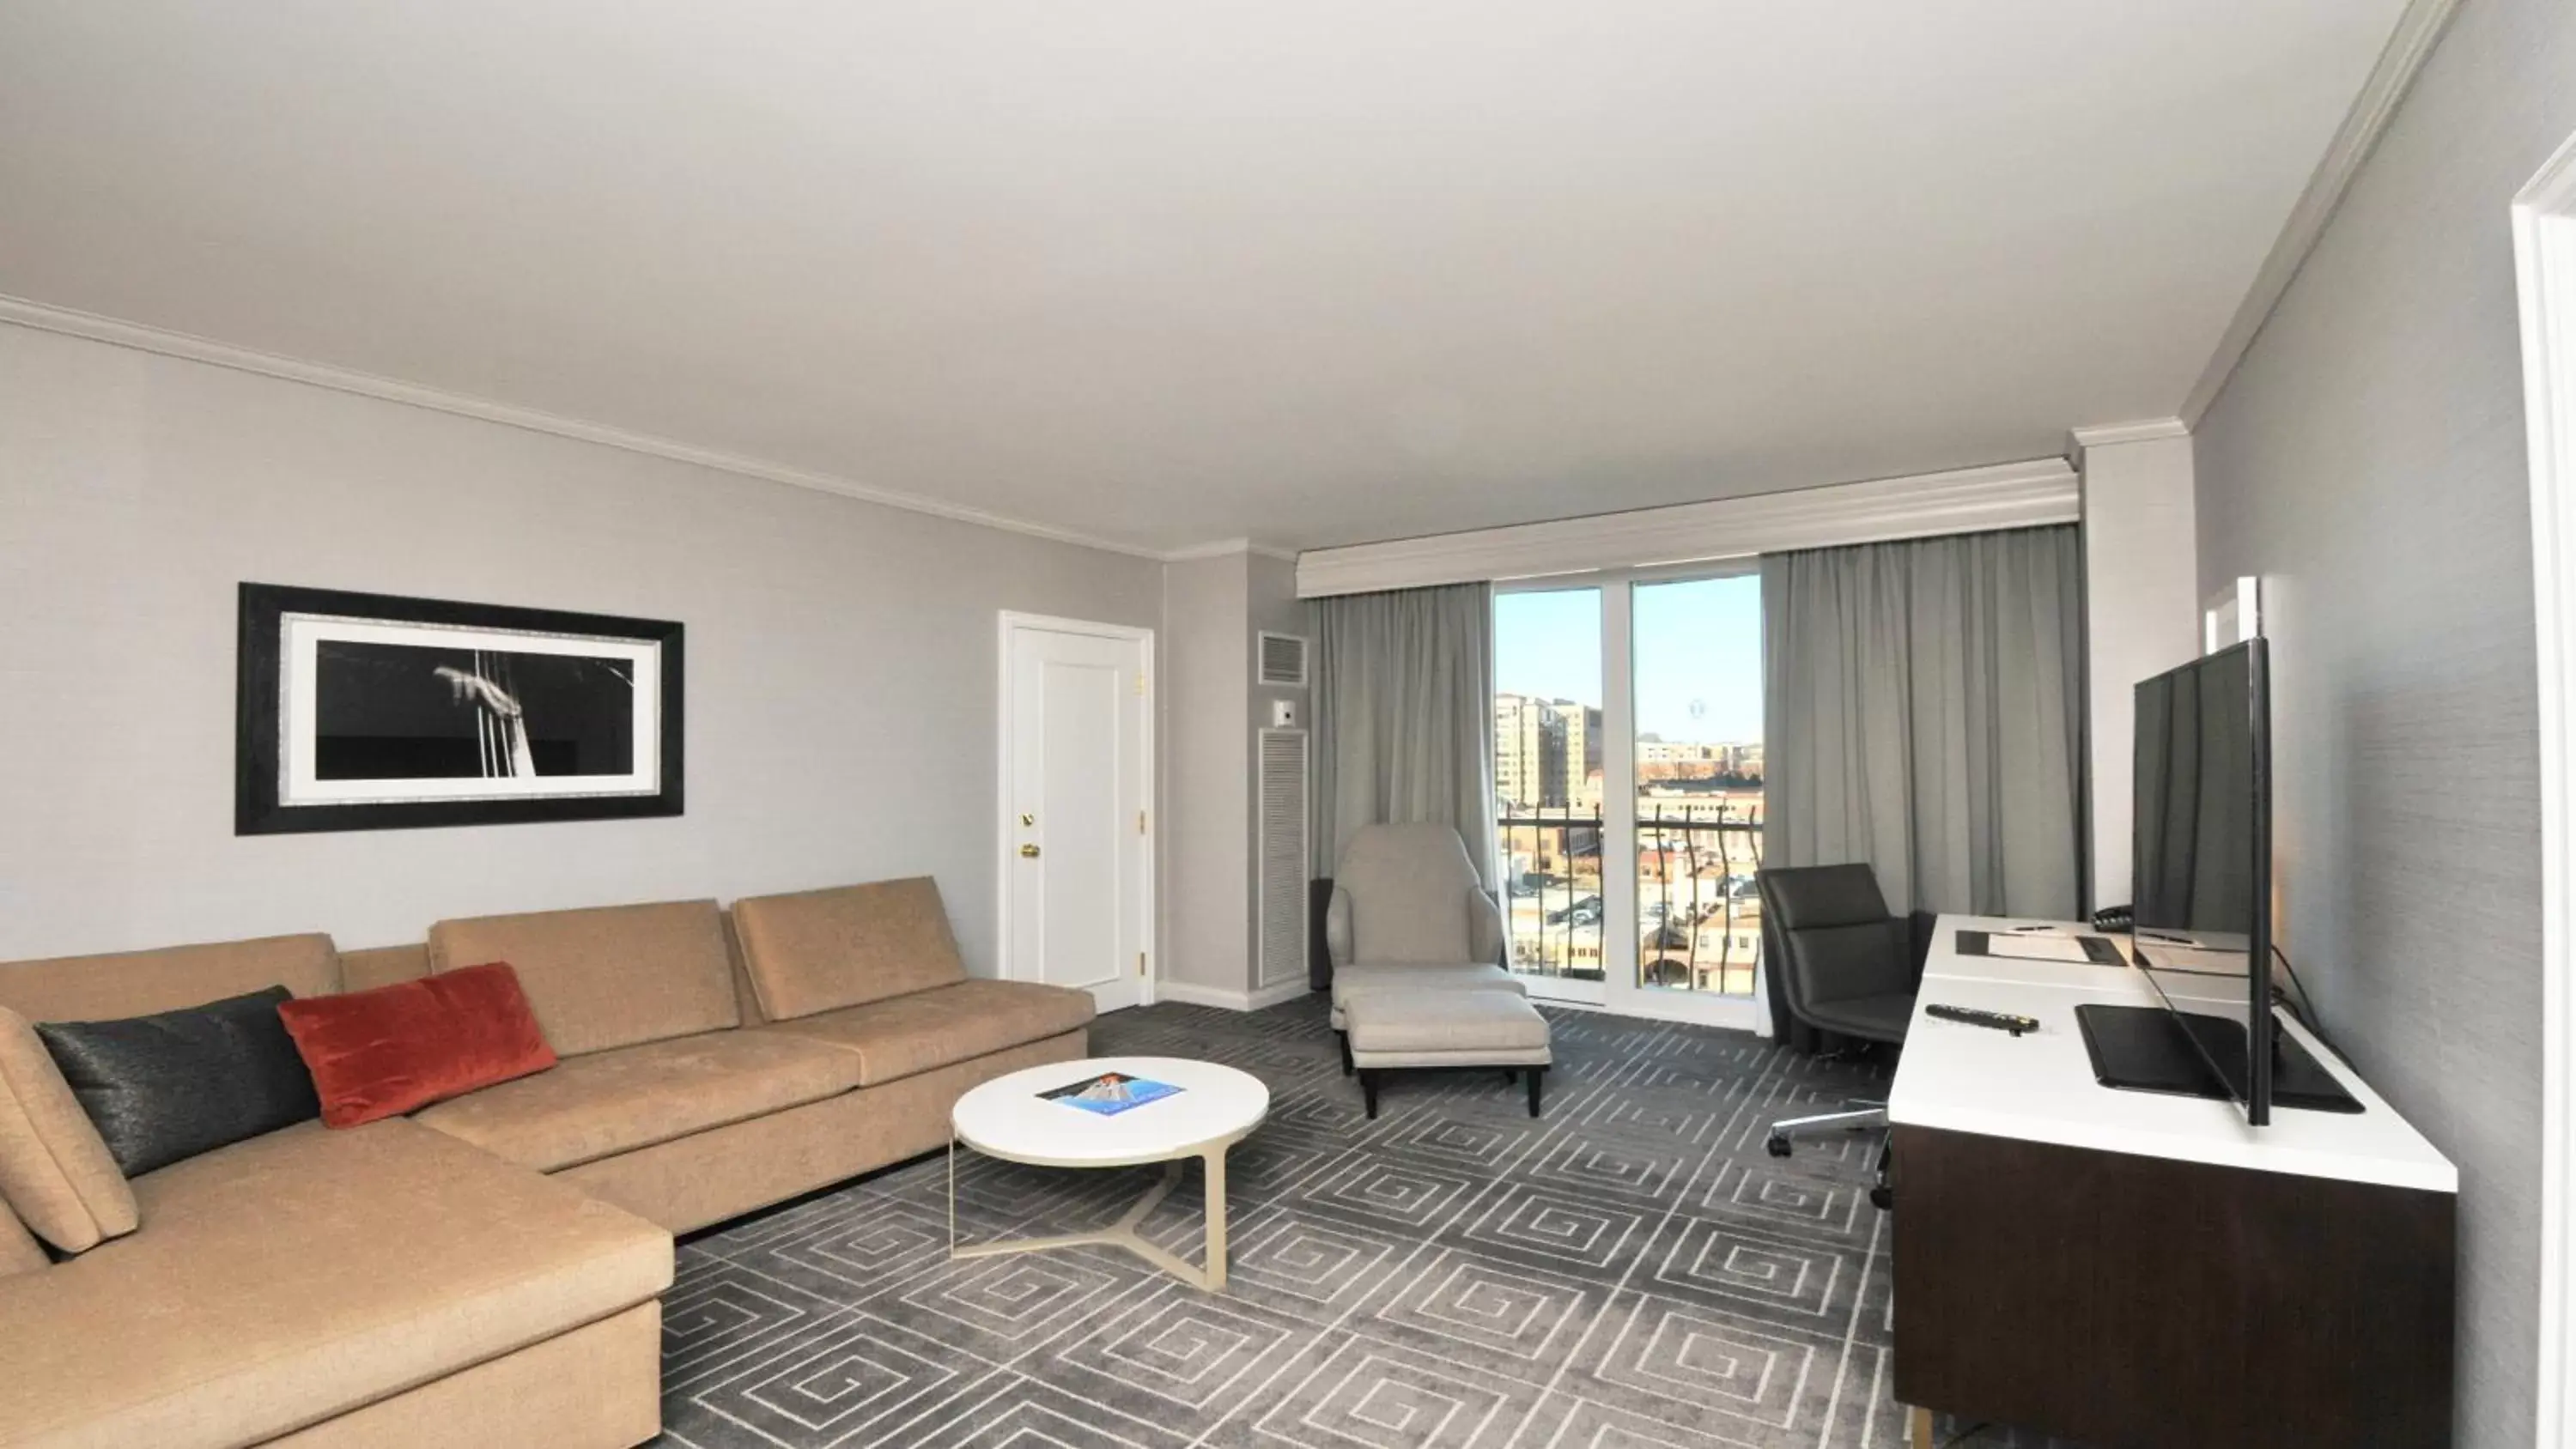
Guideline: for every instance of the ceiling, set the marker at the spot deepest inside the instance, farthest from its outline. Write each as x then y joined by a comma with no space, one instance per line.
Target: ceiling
1163,272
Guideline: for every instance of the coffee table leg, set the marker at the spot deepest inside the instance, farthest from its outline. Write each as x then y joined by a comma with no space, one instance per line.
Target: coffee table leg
1127,1231
1215,1175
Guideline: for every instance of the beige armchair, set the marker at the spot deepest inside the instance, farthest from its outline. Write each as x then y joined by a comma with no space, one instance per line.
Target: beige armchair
1408,911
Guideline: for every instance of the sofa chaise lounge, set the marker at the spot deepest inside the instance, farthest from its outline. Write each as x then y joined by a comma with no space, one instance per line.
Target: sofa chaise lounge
488,1270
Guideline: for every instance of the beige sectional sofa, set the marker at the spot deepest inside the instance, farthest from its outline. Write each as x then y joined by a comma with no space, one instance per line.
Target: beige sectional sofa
489,1270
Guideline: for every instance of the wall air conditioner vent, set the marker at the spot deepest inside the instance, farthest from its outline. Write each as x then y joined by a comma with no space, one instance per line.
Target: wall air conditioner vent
1281,660
1282,903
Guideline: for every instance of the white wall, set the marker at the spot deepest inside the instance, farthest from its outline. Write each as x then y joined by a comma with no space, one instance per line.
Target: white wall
1206,760
1271,603
840,655
2141,617
2367,460
1211,812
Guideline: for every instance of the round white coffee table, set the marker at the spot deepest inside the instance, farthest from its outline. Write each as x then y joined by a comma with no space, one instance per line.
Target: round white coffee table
1008,1117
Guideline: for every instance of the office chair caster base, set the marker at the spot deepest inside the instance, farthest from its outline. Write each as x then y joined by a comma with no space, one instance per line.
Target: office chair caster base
1776,1144
1881,1199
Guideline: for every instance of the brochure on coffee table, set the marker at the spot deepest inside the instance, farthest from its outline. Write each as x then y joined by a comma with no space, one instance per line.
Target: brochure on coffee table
1111,1093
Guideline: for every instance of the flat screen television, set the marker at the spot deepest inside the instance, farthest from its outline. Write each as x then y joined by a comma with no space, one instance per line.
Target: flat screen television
2201,900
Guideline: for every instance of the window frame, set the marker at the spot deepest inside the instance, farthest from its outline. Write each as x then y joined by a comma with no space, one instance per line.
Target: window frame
1619,990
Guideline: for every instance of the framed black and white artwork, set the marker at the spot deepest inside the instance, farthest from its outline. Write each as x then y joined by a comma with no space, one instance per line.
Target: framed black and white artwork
376,712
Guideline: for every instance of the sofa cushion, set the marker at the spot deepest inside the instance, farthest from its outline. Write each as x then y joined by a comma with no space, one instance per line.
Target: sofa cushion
381,1053
176,1083
817,951
616,1101
904,1035
55,1170
19,1250
607,977
295,1276
137,983
374,966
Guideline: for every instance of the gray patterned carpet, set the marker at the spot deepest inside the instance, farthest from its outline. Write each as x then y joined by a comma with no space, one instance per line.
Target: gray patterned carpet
1628,1272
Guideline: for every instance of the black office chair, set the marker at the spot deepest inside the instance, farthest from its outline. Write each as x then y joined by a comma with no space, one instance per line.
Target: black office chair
1845,966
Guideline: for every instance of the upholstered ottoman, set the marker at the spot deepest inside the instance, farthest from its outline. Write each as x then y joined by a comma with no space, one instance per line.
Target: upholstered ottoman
1434,1028
1351,982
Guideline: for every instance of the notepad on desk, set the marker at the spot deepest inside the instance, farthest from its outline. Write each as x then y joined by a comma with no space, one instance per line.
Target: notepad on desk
2073,950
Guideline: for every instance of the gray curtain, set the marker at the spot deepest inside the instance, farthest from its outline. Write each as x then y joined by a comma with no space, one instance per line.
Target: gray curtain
1923,713
1403,691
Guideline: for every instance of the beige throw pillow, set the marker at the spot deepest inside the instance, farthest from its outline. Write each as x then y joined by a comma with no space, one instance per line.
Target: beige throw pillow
18,1252
54,1167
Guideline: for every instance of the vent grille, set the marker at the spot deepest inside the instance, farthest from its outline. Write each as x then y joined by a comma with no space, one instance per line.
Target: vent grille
1283,857
1283,660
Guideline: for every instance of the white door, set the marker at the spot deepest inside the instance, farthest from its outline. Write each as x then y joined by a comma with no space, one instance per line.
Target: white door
1076,864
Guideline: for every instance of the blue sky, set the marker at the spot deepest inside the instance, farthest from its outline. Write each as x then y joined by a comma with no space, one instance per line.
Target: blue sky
1698,653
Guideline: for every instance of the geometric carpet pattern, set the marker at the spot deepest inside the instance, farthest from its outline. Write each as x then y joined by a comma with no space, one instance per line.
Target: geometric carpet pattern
1630,1271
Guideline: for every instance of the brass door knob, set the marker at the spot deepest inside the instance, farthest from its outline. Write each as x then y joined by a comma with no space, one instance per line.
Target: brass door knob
1030,851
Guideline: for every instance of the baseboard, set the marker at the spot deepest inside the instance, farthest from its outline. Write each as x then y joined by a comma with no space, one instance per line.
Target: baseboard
1191,994
1269,996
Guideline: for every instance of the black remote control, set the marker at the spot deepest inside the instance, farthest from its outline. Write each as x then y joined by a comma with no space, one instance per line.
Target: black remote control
1999,1021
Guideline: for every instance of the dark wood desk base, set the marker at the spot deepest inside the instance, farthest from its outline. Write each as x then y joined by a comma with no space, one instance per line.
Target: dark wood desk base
2140,1302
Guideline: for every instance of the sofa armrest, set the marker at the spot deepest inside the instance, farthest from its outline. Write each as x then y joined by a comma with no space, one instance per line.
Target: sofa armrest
1484,929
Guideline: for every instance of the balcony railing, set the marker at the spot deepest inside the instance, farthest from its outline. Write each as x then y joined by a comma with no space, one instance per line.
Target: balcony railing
1552,904
1699,925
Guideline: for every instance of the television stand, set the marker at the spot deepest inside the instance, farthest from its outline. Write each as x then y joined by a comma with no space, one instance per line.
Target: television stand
2192,1054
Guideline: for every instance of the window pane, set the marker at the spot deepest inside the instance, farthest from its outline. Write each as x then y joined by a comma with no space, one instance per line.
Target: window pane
1547,778
1698,681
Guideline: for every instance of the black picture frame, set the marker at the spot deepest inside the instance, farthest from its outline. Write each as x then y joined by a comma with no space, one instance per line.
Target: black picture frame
261,803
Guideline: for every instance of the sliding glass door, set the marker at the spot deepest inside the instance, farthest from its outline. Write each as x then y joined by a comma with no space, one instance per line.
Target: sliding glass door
1628,783
1548,721
1697,686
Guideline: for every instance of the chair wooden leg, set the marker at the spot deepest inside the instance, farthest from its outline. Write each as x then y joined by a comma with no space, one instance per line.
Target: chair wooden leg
1346,1051
1535,1073
1510,1076
1368,1092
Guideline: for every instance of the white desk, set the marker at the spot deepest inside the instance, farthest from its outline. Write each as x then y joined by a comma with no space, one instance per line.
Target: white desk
2134,1268
2039,1087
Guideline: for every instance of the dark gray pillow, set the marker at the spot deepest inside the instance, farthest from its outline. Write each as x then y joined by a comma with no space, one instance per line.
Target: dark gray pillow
166,1087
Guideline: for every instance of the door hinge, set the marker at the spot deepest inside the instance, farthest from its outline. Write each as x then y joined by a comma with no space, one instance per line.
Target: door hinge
1140,963
1140,684
1140,822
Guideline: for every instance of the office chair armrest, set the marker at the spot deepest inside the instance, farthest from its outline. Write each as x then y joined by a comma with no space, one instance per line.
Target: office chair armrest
1484,929
1337,928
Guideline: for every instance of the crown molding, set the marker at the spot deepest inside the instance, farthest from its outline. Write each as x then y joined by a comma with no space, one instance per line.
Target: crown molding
1965,500
2109,434
2417,31
1224,546
40,317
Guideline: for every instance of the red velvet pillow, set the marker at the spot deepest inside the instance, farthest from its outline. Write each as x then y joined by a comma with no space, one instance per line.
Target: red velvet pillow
384,1052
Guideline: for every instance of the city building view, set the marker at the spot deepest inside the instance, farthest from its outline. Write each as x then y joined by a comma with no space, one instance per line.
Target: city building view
1697,767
